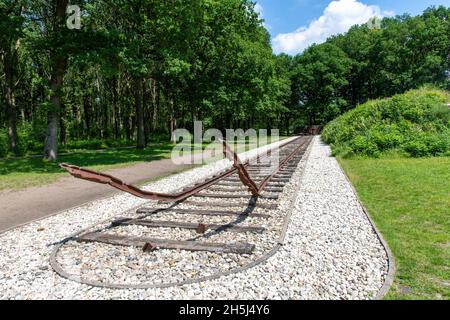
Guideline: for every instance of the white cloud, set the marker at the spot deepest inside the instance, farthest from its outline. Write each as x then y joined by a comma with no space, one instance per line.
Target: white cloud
337,18
259,9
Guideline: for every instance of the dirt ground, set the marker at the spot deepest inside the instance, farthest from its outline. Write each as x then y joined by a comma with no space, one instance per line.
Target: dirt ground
23,206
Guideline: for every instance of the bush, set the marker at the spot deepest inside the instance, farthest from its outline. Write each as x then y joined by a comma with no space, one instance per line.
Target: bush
96,144
4,145
113,143
93,144
26,139
416,122
364,146
386,136
344,151
416,148
426,144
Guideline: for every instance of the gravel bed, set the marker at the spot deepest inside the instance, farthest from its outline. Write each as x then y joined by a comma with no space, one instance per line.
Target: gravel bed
127,272
331,250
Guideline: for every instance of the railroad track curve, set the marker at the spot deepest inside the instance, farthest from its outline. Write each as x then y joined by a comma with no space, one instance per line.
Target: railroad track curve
225,224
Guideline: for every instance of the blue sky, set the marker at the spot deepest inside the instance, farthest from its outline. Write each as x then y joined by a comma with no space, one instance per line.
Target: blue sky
321,18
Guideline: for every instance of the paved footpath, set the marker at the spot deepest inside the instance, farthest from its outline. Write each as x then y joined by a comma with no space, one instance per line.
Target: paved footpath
19,207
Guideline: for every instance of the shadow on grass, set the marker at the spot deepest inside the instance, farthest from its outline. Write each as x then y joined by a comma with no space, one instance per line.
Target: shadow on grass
93,159
86,159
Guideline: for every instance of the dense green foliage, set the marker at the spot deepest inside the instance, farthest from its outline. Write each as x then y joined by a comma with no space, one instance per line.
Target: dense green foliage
416,123
137,69
369,63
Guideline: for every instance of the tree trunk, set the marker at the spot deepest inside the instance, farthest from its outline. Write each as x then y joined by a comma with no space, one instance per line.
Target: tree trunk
114,107
173,120
139,114
11,110
87,117
53,117
288,125
51,136
145,102
63,132
59,65
106,122
10,61
155,101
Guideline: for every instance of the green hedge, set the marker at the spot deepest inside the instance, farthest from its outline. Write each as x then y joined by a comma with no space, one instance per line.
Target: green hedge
416,123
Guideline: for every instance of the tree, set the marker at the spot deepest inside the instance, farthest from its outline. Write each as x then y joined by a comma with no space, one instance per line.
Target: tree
11,24
322,72
405,53
138,69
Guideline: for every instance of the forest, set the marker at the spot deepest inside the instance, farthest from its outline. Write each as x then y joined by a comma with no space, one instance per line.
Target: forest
138,69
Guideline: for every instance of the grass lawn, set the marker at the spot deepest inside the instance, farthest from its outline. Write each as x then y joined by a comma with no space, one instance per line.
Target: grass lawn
31,171
409,200
27,172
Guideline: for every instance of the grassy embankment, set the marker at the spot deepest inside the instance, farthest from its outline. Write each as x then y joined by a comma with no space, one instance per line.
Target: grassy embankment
386,147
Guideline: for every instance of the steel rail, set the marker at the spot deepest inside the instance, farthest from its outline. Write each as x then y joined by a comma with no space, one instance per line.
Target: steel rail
264,183
242,172
103,178
59,268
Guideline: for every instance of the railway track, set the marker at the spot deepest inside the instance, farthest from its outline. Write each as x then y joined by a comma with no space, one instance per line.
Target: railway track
233,214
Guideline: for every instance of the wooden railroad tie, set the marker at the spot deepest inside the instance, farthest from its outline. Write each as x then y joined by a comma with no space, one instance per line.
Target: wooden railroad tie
154,244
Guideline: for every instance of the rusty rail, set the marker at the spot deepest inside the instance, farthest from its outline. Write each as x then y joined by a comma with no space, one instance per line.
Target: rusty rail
102,178
238,167
149,217
264,183
242,172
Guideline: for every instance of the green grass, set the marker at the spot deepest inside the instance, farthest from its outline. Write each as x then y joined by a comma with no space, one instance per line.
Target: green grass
26,172
409,200
20,173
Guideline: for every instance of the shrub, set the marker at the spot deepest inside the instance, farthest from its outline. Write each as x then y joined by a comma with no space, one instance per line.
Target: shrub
440,111
386,136
92,144
416,148
5,148
96,144
26,139
416,122
113,143
364,146
425,144
342,150
4,145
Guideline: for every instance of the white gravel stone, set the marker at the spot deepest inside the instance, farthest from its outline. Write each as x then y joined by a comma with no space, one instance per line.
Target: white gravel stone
330,250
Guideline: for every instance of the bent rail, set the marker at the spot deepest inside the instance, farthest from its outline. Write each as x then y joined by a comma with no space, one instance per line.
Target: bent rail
242,172
114,182
238,166
103,178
